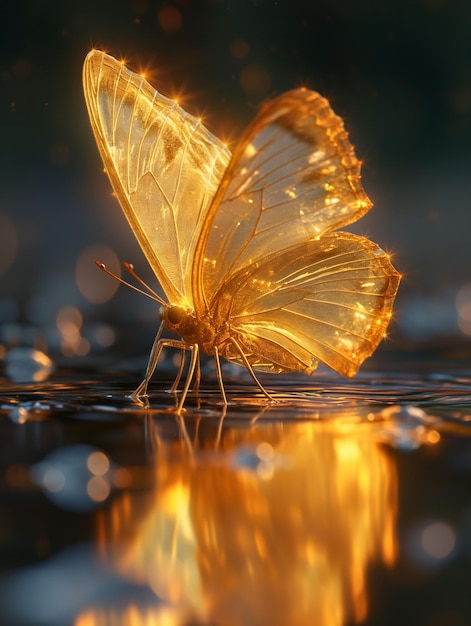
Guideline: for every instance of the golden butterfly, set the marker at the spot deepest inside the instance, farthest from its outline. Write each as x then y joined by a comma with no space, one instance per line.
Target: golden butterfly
243,245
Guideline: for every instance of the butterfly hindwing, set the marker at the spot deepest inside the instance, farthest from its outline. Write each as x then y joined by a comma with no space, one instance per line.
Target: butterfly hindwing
328,300
163,164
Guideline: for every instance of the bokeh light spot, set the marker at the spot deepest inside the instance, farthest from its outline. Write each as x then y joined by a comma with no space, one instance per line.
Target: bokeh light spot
23,364
240,49
69,319
265,470
54,480
83,347
104,336
98,463
93,284
265,451
433,436
69,323
463,308
169,18
98,489
22,68
438,540
255,79
122,477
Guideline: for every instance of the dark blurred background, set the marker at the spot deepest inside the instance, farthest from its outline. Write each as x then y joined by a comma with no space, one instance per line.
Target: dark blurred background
398,72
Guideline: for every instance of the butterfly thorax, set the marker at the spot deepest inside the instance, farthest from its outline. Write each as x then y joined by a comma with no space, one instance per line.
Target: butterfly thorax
192,329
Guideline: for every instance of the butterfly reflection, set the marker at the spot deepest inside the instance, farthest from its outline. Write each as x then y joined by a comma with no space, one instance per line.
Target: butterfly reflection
245,246
257,531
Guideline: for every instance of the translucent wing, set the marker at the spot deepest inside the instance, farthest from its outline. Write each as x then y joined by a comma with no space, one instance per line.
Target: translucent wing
328,300
293,177
163,164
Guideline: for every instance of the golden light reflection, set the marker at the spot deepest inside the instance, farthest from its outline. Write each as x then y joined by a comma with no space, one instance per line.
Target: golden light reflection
232,545
131,616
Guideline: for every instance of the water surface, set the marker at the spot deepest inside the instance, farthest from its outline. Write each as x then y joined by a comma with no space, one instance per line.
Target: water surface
343,502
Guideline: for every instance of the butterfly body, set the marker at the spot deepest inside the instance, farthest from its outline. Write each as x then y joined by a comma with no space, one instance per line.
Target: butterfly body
192,330
246,247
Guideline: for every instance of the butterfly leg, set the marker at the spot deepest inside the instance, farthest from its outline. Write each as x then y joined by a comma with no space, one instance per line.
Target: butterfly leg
151,365
219,375
155,353
191,370
176,382
249,369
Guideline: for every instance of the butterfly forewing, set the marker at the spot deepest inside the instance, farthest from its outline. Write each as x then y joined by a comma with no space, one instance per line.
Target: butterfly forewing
292,177
163,164
328,300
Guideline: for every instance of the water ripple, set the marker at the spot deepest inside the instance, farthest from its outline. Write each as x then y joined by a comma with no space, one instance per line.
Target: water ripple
106,397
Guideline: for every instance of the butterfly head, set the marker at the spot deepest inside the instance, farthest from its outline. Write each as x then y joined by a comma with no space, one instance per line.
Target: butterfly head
179,319
192,329
172,316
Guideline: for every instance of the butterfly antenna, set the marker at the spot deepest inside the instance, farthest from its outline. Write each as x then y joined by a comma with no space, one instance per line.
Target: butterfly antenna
152,295
130,269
